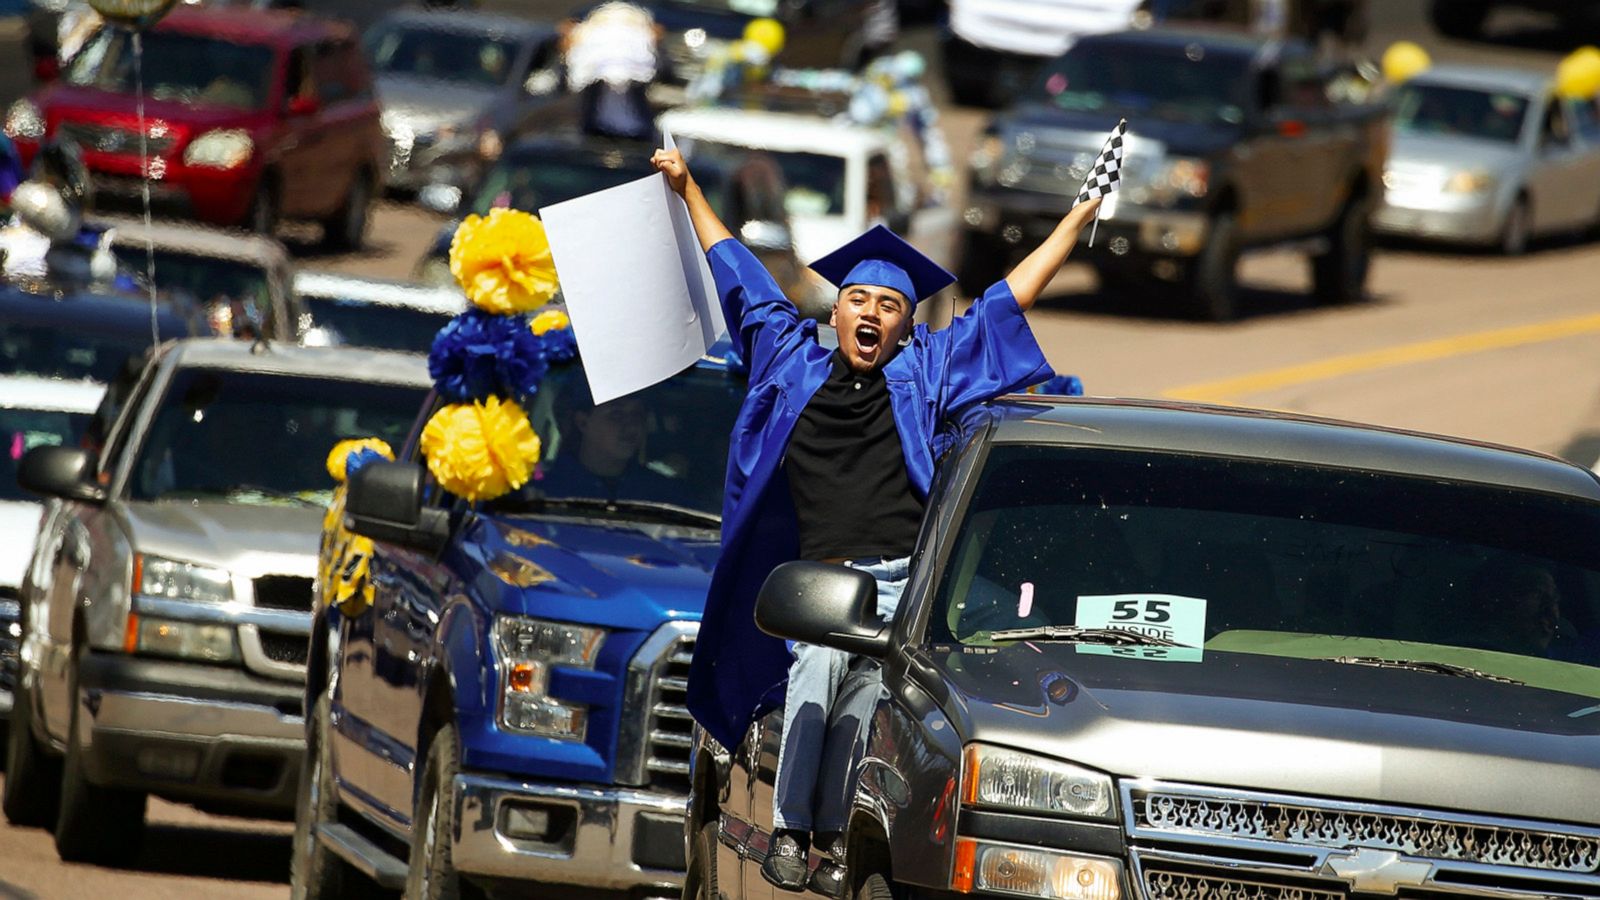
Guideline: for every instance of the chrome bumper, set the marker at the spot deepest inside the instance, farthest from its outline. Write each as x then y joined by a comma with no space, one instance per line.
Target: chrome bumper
604,838
1476,223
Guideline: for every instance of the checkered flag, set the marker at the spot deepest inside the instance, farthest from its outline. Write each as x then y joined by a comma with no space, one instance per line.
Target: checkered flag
1106,175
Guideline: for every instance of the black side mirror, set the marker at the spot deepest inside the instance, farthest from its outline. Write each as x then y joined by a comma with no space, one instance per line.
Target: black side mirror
820,603
385,503
65,472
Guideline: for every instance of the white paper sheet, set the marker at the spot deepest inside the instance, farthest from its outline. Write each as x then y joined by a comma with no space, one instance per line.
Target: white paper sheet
638,288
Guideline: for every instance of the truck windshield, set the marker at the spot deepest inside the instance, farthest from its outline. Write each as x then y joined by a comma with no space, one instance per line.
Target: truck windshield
254,437
480,59
184,67
814,183
1284,560
1176,83
665,445
55,349
359,323
1460,112
22,430
206,280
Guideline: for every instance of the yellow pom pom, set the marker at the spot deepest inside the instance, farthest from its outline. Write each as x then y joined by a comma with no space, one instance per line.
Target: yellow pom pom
766,34
1578,75
340,454
550,320
480,451
502,261
1403,60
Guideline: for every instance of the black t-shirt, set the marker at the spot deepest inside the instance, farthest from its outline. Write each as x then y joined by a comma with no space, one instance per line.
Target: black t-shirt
847,472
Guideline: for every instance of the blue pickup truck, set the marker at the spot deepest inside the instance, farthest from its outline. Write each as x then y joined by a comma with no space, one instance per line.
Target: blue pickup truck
501,699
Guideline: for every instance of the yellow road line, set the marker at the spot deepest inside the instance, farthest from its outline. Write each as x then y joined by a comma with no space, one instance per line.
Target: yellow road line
1228,390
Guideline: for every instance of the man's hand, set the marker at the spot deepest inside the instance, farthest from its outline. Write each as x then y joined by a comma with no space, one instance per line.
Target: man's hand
670,163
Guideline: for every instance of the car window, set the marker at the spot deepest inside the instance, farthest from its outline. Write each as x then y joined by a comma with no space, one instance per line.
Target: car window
472,58
1452,572
22,429
332,74
1585,115
235,295
1304,86
814,183
882,201
254,438
385,326
54,349
1556,132
298,79
187,68
1185,84
1462,112
113,419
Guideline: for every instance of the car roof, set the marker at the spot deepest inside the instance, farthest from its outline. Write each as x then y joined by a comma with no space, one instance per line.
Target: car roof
1497,79
381,292
195,240
781,131
343,363
279,27
55,394
469,21
1198,429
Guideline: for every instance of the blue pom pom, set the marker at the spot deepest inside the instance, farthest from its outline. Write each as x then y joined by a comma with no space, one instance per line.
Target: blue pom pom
560,346
479,354
359,458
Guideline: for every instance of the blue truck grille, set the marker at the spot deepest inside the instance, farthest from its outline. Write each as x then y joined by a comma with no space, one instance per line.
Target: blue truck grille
669,736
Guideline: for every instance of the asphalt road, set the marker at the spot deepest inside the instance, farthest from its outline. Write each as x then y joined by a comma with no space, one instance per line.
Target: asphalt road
1463,344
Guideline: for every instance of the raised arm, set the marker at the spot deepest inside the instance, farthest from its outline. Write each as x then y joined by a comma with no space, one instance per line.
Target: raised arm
1027,281
707,227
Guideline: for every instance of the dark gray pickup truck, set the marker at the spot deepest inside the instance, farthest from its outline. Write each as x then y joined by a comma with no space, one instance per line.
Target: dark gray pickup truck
1185,653
1233,144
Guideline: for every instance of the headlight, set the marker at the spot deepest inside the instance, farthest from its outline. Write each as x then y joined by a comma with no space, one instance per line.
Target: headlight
24,120
224,148
526,650
1009,869
1473,182
1178,179
169,579
185,640
1005,779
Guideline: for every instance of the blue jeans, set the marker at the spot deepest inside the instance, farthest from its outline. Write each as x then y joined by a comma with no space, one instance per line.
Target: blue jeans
814,679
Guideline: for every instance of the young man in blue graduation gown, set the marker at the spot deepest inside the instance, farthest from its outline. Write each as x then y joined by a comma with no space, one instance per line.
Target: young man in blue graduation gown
831,459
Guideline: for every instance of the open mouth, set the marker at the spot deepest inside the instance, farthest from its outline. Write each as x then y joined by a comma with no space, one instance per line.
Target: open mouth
867,338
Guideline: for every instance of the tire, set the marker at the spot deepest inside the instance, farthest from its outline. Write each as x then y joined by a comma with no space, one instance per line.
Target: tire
1339,276
264,209
347,229
700,882
1459,18
433,875
984,260
875,887
33,777
1517,230
1214,282
95,824
314,872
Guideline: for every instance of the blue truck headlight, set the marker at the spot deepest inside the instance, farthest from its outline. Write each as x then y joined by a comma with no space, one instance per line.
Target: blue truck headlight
1005,779
526,650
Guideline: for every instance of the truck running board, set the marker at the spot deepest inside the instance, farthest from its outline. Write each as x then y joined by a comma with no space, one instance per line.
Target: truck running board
367,857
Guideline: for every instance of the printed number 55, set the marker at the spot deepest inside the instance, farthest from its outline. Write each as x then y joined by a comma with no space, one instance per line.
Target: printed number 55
1155,611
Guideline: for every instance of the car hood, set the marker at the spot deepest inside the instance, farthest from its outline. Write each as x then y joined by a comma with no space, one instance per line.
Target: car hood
62,102
618,575
1298,726
249,540
425,105
19,529
1453,153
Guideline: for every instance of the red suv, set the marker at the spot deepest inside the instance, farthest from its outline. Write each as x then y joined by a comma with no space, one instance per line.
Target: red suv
250,116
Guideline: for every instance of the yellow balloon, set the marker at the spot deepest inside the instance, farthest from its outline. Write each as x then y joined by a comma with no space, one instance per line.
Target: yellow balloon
1578,75
1403,60
766,34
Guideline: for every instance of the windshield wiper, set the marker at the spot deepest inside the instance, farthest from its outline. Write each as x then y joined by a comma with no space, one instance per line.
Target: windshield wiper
1075,634
664,512
1422,665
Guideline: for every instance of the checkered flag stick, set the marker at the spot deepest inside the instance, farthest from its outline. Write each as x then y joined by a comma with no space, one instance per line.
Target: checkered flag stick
1106,175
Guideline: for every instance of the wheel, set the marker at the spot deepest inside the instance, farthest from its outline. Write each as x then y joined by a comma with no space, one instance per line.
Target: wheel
314,872
348,227
1340,274
1459,18
94,824
700,882
263,215
1214,284
433,875
875,887
33,777
1515,232
984,260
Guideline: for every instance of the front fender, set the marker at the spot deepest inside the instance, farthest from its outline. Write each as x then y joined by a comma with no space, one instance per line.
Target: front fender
908,781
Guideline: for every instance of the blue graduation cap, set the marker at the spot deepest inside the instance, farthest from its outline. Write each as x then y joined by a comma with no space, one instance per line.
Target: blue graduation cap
882,259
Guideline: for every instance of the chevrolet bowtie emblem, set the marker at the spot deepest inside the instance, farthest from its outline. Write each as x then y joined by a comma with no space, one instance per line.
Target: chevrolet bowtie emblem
1370,871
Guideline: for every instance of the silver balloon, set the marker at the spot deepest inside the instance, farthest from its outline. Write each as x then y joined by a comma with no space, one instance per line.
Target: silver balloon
42,208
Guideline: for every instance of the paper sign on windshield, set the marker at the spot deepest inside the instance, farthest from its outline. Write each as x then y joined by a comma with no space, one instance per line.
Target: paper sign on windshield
1181,620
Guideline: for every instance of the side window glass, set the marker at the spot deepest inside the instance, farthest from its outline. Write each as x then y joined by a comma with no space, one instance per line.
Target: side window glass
329,73
298,84
881,199
1557,130
1586,118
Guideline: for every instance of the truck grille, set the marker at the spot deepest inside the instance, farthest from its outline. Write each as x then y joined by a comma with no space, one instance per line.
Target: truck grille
669,734
283,592
1159,885
111,138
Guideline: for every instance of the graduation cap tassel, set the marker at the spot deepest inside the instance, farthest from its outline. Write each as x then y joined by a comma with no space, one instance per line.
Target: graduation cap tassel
1105,175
